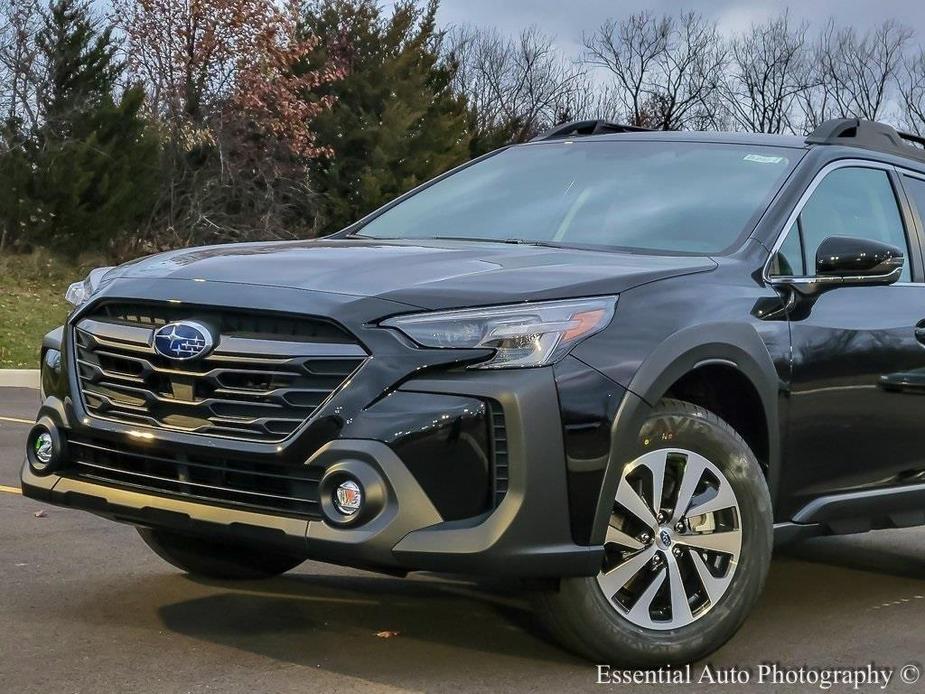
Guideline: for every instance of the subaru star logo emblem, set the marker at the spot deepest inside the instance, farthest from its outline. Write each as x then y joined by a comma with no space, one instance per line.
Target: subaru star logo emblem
183,340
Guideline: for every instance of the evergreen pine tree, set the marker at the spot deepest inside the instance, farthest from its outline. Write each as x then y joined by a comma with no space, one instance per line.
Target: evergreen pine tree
80,62
93,158
395,123
15,183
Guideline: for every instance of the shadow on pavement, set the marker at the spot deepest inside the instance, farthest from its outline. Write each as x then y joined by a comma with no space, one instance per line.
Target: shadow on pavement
302,619
307,620
860,553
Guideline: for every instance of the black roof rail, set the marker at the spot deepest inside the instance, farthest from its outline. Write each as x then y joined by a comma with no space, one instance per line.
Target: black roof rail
583,128
912,137
879,137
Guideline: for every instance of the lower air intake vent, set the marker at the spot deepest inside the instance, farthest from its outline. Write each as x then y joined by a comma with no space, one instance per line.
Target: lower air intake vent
268,487
500,470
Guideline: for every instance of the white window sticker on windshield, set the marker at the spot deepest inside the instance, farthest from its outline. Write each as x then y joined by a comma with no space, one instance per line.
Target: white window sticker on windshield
762,159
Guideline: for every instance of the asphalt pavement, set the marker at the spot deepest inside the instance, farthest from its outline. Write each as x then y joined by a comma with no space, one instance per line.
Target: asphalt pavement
86,607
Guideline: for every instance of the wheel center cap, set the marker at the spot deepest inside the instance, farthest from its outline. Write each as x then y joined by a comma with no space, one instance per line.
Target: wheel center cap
664,538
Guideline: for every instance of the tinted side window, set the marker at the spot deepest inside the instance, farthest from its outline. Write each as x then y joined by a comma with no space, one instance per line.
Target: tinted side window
915,187
789,259
854,202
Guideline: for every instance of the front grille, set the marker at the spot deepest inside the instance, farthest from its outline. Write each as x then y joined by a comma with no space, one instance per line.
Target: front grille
266,376
500,461
270,487
229,323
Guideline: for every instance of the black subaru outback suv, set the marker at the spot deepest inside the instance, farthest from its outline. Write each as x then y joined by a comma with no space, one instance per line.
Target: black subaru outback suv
620,364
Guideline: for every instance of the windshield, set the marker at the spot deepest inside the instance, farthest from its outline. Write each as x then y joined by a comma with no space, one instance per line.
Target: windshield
684,197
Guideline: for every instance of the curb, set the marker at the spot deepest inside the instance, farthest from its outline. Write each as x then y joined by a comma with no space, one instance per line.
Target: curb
20,378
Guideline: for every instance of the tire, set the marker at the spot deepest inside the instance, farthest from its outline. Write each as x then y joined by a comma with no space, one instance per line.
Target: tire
644,625
214,559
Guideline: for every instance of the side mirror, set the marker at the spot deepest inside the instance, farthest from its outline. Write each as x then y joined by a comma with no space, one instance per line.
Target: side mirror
847,260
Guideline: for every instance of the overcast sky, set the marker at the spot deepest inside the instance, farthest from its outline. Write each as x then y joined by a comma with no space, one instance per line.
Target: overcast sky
566,19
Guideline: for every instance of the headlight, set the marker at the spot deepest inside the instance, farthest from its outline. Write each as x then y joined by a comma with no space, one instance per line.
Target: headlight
79,292
522,335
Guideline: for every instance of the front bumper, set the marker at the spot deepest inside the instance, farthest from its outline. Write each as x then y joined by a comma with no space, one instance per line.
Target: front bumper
528,534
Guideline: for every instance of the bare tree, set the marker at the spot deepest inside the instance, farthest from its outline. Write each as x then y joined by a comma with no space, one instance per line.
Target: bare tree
768,70
693,64
587,101
19,67
855,74
911,84
522,83
20,82
712,113
664,68
632,50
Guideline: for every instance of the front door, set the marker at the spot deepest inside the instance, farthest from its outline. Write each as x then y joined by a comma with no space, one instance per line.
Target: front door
856,413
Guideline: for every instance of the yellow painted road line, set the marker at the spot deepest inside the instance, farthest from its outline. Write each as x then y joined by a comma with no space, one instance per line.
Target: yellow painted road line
16,420
10,490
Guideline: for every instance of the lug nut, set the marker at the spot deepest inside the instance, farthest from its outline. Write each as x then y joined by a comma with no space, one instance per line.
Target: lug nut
680,526
661,517
677,551
645,539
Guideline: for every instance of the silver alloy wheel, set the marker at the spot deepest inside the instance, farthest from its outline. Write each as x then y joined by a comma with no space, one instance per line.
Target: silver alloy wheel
674,540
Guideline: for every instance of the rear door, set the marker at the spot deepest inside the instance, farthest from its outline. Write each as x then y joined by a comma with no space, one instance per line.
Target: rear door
856,405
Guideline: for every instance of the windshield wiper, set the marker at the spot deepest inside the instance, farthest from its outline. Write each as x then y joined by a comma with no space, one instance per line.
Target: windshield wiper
529,242
518,242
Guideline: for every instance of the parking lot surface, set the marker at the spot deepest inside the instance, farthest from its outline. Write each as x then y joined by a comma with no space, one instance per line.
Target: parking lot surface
86,607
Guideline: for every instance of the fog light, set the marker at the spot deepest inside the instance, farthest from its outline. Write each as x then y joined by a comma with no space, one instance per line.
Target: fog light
44,448
351,493
348,498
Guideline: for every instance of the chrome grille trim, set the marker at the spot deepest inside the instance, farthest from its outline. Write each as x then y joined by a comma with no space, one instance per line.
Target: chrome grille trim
248,388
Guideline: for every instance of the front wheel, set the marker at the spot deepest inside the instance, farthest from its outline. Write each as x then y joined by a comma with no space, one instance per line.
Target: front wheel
687,549
213,559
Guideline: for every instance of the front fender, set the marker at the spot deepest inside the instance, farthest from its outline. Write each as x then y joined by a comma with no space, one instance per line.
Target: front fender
737,345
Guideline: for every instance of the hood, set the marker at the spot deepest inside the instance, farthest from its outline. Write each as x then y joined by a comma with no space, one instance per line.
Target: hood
431,274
